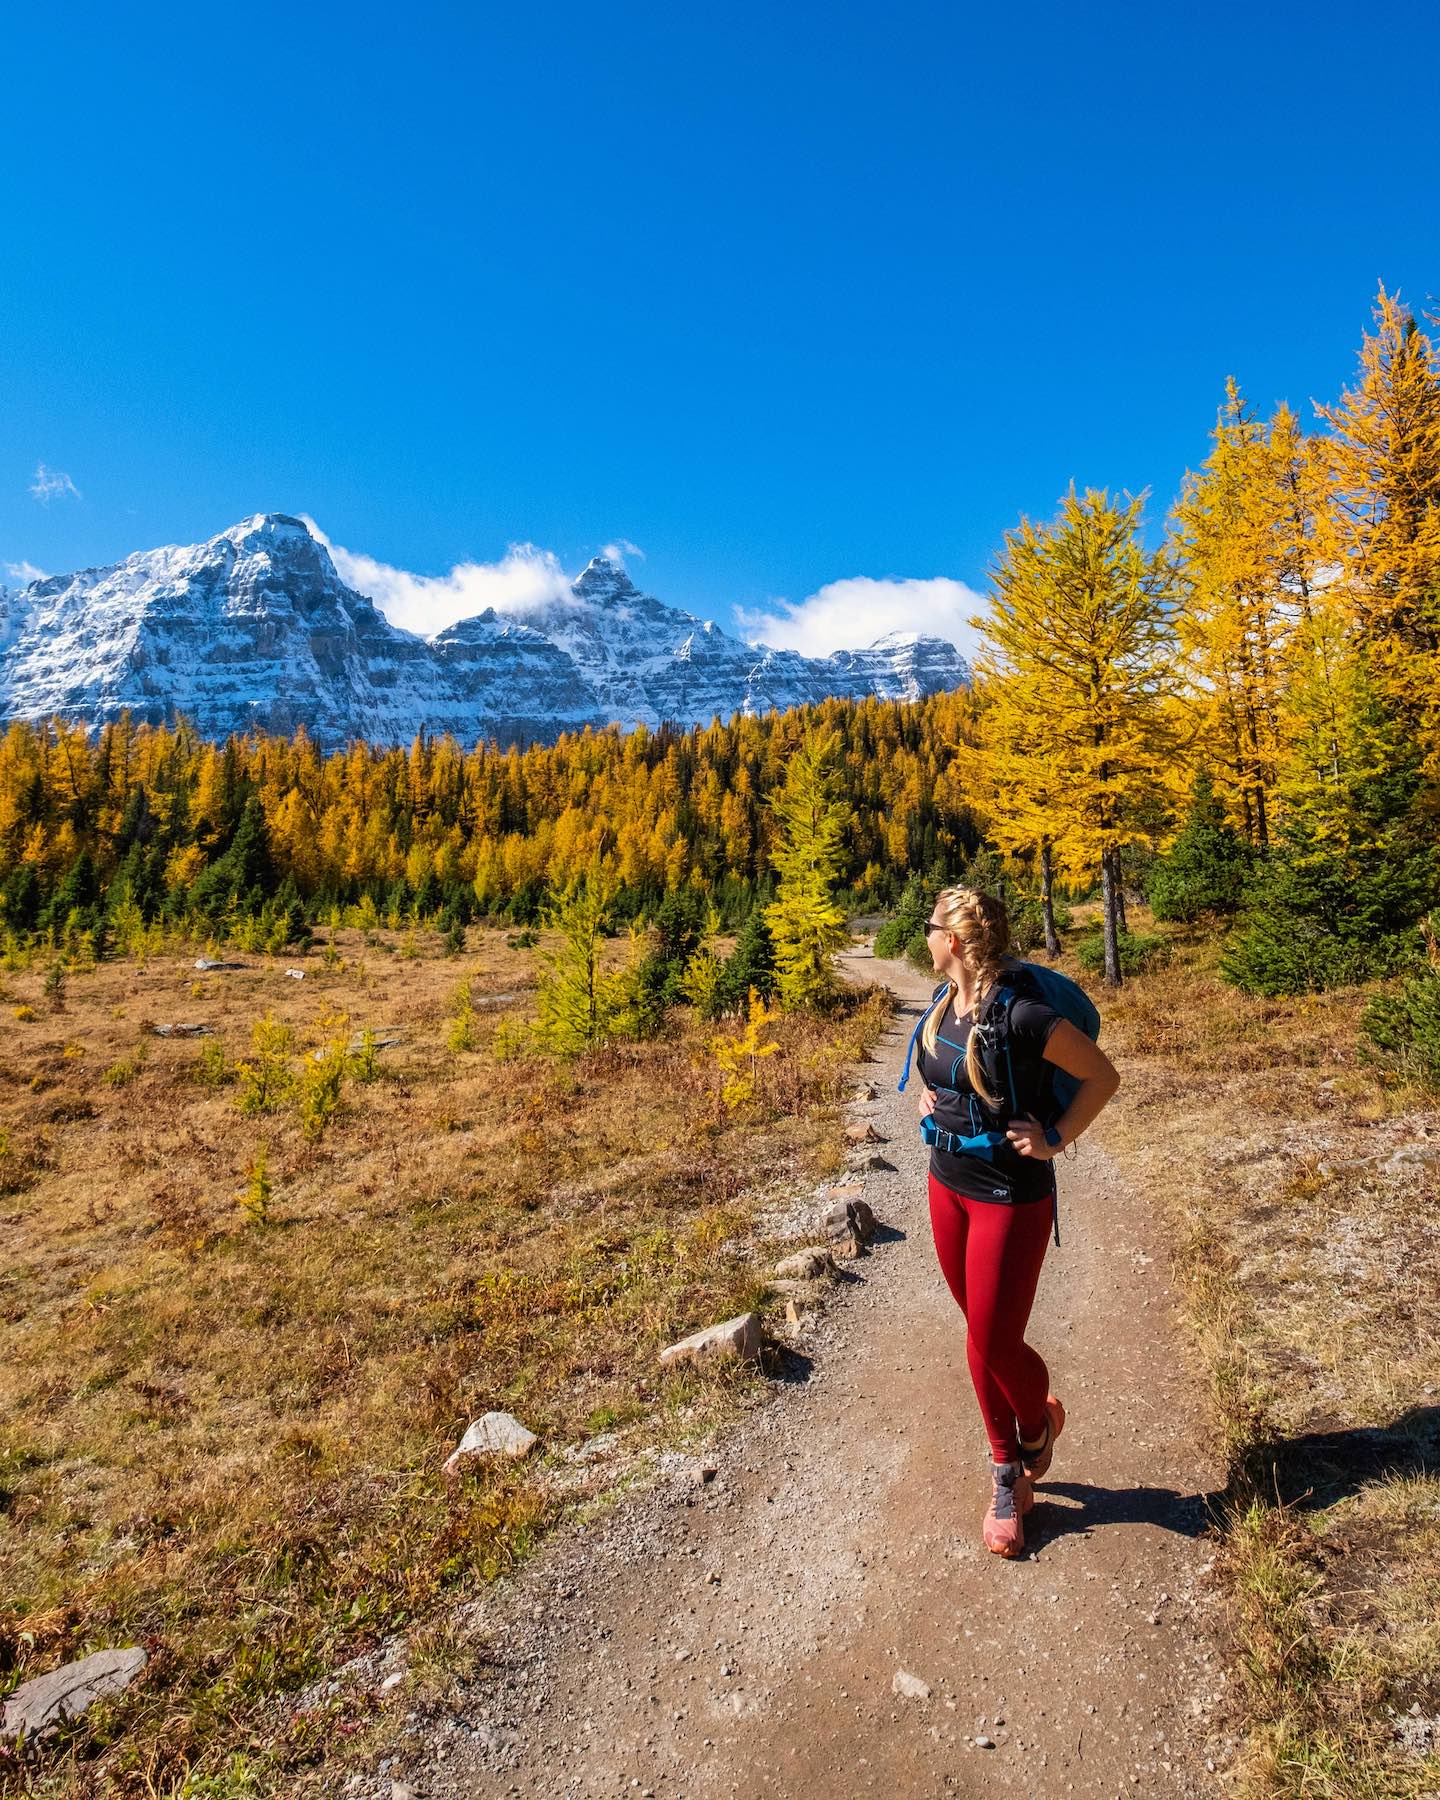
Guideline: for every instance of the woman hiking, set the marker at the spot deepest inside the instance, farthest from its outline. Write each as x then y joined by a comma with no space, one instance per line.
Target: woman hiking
992,1180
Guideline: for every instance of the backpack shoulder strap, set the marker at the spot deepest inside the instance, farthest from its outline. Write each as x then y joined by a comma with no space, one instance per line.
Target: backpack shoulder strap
943,989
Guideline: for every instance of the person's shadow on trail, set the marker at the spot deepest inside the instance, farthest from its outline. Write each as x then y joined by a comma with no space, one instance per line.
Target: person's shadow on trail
1318,1468
1092,1508
1309,1471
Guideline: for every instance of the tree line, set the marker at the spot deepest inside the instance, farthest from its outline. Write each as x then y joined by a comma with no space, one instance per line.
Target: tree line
1240,720
155,819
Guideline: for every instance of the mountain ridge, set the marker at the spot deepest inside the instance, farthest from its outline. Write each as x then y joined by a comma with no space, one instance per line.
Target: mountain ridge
254,627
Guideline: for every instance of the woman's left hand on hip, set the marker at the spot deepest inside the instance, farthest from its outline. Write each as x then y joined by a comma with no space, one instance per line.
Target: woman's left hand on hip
1028,1137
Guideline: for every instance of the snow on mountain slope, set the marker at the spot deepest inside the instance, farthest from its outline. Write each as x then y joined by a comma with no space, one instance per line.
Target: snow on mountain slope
256,628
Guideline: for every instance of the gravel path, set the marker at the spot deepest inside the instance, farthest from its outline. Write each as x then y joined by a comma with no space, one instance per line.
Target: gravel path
757,1634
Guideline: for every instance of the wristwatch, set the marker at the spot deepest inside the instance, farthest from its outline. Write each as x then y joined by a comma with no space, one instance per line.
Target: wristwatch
1053,1138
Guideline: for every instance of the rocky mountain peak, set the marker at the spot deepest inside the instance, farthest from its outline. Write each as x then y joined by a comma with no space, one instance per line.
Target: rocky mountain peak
604,579
254,627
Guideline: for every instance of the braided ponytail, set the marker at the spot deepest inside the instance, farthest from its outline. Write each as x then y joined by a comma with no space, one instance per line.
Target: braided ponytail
982,925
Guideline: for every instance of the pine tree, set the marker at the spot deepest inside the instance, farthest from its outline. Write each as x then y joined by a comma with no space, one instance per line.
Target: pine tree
751,964
1354,869
1206,867
806,925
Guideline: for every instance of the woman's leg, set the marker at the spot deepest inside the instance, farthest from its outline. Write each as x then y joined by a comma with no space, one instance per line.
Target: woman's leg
948,1221
1005,1246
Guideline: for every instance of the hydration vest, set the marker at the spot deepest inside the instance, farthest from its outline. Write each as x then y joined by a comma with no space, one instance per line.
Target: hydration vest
1047,1103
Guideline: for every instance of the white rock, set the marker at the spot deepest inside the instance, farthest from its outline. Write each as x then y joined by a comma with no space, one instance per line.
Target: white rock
294,974
36,1706
733,1337
908,1686
806,1265
496,1434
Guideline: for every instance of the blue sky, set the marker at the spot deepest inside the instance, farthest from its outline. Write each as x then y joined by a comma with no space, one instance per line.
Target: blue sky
786,296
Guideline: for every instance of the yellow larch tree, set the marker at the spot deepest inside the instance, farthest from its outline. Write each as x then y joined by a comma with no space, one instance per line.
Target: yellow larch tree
1079,627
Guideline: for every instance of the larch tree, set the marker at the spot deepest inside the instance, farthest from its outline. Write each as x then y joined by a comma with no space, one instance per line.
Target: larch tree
1079,627
806,925
1384,467
1235,616
1014,782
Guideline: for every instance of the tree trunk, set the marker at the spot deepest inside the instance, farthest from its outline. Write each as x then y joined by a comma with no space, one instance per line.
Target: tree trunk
1122,923
1111,889
1047,900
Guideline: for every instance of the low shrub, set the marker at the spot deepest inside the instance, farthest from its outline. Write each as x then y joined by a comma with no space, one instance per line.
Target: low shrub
1139,951
1403,1028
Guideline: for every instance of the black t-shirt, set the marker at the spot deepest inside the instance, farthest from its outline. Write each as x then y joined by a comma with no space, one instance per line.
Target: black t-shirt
1010,1176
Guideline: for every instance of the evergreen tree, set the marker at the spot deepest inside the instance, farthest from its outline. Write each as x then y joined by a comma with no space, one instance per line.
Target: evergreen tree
78,894
1206,868
243,876
21,898
751,964
899,932
806,926
1355,867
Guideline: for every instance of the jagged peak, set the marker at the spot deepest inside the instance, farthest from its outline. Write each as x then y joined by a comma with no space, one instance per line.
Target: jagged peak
603,577
902,640
267,525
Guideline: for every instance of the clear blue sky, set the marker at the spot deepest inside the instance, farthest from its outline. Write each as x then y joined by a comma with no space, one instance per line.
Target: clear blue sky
784,294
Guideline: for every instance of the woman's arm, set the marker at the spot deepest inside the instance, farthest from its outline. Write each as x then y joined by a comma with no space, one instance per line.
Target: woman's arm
1069,1049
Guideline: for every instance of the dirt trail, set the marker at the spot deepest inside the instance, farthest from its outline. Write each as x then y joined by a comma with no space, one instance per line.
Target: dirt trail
843,1527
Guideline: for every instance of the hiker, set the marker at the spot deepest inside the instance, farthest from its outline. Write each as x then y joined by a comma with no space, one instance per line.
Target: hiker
997,1107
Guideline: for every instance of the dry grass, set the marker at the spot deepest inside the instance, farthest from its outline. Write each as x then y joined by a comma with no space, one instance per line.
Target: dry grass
1303,1186
222,1437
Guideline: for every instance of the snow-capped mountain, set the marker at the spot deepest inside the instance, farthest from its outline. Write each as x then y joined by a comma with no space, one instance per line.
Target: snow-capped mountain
255,628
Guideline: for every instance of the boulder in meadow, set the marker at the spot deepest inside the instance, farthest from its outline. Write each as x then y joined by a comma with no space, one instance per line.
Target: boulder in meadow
738,1337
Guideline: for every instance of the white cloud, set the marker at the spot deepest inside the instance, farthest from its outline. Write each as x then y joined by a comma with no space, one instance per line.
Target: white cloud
620,549
525,578
24,572
851,614
52,484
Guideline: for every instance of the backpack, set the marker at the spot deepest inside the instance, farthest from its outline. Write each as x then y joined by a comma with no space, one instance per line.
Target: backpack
1037,981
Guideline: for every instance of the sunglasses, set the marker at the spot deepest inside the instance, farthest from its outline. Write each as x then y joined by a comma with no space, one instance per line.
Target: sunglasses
935,925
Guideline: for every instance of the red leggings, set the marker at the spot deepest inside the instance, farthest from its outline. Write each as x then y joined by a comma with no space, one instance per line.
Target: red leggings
990,1254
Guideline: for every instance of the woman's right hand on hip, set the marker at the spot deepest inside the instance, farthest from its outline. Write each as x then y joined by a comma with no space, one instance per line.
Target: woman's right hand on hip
925,1102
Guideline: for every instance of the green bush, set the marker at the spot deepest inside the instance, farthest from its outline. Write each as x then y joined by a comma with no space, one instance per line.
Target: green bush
1322,916
1027,922
1404,1027
1284,953
1140,951
893,937
897,935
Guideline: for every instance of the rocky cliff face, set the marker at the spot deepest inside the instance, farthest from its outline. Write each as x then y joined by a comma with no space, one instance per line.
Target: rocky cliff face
255,628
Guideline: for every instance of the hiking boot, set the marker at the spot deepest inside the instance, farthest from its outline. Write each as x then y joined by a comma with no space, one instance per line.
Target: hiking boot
1036,1462
1010,1500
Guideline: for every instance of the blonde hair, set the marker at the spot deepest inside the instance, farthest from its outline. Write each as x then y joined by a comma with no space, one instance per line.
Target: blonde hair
982,925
